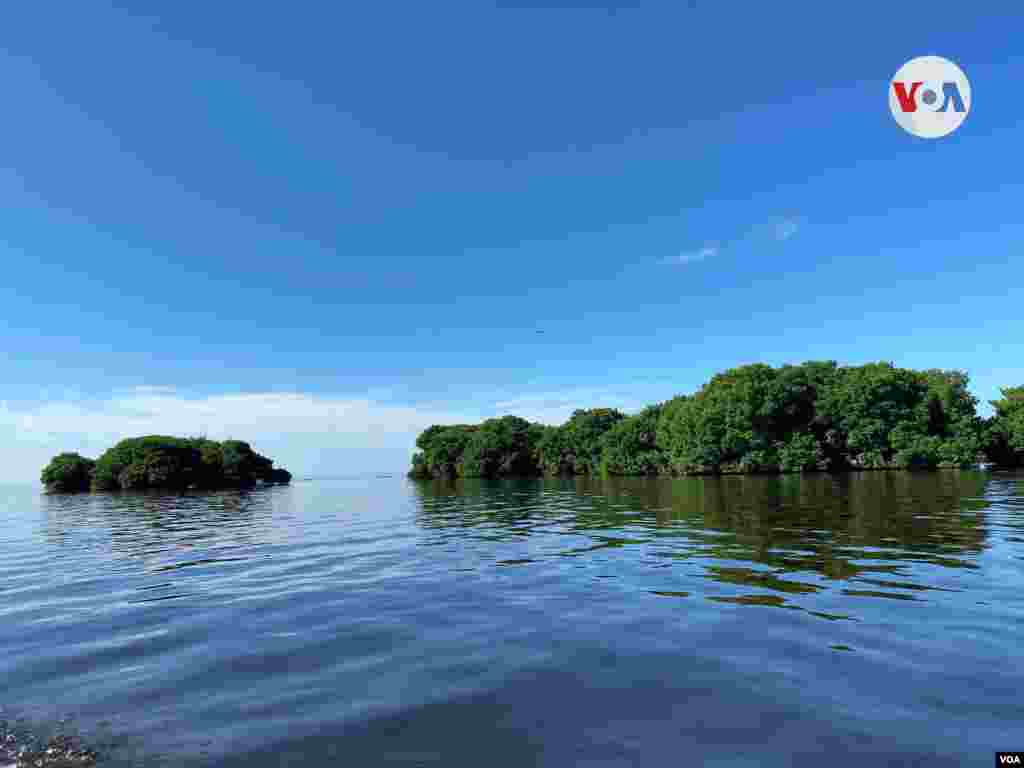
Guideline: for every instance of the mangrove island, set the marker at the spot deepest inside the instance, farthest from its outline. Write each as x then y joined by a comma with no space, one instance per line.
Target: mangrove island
165,463
816,416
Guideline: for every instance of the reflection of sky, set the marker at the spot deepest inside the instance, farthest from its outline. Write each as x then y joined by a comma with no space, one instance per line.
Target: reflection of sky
19,507
203,617
157,530
1003,561
733,532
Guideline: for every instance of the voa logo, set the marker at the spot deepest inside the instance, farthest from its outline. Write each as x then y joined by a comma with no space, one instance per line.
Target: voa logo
929,97
1008,758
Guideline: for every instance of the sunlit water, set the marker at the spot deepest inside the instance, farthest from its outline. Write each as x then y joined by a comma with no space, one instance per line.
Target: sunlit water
864,619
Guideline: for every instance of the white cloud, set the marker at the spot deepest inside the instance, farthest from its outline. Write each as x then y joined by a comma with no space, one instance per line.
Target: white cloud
781,230
308,434
688,257
787,227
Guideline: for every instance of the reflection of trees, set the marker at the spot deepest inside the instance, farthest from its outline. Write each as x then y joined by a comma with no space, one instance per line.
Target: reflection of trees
154,526
471,503
836,525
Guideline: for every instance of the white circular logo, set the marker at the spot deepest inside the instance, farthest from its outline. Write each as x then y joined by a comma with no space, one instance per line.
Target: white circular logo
929,96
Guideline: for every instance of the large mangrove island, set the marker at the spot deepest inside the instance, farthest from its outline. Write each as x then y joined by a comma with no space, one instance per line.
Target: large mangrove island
816,416
166,463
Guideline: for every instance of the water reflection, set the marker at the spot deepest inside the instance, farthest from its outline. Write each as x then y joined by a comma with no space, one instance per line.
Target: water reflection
140,525
782,535
165,534
542,622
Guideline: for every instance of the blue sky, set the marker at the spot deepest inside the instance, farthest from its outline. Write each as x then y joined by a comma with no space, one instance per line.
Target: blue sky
326,225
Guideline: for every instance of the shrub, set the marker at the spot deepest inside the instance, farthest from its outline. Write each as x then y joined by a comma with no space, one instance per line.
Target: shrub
630,447
158,461
1004,433
802,452
68,473
754,418
575,447
500,447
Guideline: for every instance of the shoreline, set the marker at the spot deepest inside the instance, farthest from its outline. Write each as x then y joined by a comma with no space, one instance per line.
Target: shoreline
720,473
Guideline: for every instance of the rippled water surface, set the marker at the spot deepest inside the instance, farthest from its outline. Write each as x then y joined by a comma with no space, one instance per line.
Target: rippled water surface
863,619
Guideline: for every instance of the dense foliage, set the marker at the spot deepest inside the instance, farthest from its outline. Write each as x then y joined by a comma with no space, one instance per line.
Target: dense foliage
575,448
754,418
1006,429
68,473
505,446
501,447
441,448
822,416
157,461
630,446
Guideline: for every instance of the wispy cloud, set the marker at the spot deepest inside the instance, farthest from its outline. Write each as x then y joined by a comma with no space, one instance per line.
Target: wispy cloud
709,251
780,229
787,227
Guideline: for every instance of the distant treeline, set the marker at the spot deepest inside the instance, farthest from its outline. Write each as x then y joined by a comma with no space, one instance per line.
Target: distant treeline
817,416
157,461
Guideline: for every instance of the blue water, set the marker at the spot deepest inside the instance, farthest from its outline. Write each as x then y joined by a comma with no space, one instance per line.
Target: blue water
865,619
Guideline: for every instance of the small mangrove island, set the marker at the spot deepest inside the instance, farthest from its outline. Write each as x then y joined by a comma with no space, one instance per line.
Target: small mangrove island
816,416
165,463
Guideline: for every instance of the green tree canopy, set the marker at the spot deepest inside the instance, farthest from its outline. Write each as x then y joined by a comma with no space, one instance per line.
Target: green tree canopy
754,418
68,473
504,446
630,446
160,461
441,448
1006,428
575,447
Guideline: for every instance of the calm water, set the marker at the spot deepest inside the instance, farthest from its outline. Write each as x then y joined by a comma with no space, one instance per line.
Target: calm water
868,619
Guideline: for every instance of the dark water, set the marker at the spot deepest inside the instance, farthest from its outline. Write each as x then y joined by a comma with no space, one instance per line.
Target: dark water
871,619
